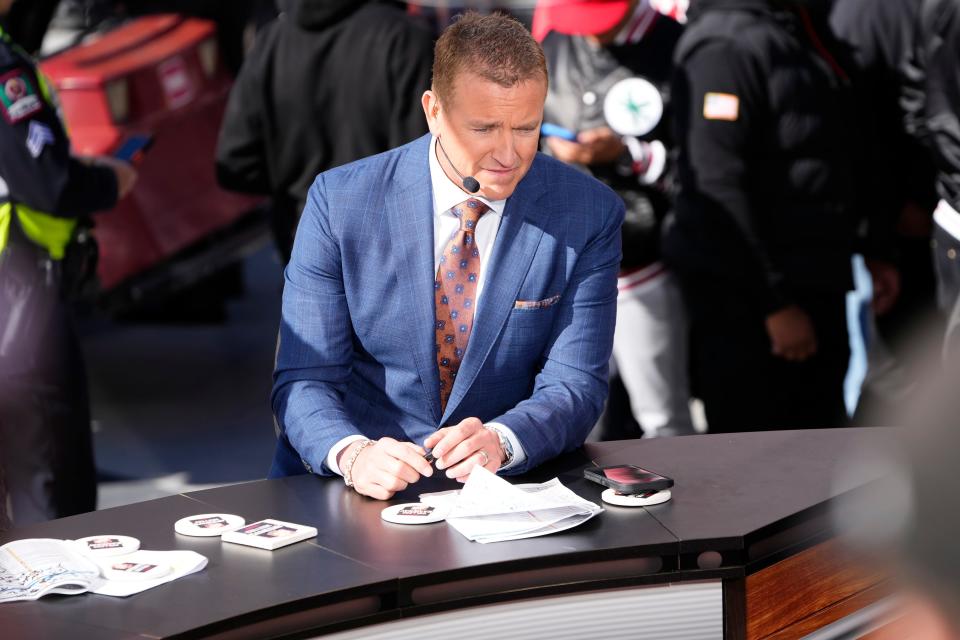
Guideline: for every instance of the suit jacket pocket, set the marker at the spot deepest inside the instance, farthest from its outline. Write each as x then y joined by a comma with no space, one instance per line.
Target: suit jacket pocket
528,328
536,304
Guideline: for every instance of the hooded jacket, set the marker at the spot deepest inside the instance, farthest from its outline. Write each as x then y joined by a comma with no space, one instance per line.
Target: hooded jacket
329,82
764,120
878,36
931,94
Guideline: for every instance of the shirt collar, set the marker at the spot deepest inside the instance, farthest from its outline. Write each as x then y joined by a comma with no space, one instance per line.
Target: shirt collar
447,194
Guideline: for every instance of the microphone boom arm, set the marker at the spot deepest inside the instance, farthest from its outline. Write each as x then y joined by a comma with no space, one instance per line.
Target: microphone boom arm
470,184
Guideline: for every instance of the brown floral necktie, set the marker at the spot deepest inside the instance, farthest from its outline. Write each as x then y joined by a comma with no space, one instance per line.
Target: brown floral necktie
455,294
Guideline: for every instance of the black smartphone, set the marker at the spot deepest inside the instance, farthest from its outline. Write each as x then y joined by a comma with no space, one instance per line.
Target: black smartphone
133,148
628,479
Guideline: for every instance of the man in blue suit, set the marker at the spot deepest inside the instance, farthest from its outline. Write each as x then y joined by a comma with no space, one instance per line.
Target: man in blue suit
418,315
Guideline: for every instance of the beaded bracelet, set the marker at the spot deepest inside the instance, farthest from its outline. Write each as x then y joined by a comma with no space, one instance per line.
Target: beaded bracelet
348,467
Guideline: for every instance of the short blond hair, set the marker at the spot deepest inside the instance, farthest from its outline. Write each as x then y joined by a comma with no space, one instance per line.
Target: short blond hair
496,47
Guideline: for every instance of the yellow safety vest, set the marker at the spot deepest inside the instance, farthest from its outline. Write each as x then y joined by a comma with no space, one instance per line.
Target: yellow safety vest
48,231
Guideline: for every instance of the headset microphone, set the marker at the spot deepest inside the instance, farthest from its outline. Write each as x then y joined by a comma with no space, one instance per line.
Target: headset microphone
470,184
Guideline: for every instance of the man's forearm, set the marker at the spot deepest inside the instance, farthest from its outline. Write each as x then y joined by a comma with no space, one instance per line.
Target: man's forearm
554,420
570,389
341,452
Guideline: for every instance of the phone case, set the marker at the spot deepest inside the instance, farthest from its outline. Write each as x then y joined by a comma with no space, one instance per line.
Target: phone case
593,474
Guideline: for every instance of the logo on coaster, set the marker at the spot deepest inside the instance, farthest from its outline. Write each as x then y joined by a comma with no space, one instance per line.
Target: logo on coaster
210,523
133,567
104,543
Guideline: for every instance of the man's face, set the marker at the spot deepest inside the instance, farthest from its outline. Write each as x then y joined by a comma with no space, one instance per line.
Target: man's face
490,132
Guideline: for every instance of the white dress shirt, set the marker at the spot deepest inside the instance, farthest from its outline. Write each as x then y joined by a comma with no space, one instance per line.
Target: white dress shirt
446,195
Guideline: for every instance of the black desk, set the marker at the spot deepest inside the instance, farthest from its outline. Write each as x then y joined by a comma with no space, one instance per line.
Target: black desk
742,503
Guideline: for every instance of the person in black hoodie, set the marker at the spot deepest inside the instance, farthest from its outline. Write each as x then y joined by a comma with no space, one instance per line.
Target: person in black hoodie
877,36
330,82
909,50
766,218
931,100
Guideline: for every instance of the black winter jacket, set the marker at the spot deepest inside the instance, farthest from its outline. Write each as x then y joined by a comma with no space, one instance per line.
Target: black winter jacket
765,124
878,36
328,83
931,97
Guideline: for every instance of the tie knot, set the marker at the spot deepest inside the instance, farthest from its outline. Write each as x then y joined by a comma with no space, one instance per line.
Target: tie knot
469,212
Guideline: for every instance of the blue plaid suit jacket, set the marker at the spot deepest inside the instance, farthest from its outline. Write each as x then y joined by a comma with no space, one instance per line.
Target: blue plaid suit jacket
357,348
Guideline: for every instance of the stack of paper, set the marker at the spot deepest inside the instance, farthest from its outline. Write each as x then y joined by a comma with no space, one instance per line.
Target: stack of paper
270,534
34,567
490,509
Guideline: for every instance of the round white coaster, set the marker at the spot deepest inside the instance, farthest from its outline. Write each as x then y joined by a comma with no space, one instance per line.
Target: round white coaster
134,571
208,524
412,513
612,497
104,546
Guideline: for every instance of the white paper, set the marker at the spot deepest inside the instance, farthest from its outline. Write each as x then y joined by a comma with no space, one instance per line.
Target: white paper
490,509
33,567
182,562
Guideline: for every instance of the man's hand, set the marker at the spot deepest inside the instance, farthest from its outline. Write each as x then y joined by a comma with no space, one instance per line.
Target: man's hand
593,146
886,285
386,467
126,174
791,334
458,448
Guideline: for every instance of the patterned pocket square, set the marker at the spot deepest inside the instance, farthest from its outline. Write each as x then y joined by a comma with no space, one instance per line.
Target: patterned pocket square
536,304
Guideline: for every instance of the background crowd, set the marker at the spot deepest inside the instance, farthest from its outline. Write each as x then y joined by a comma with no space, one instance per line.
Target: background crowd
758,148
767,151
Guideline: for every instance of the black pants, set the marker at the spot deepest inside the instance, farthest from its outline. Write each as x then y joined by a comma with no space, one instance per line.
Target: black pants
746,388
46,449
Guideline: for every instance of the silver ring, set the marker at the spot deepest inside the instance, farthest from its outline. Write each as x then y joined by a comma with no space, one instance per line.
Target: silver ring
486,458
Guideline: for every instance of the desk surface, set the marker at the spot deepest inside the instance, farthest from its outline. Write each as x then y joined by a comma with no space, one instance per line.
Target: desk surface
733,489
749,497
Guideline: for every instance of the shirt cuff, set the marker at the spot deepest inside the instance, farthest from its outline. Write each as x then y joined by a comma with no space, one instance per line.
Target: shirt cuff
519,455
335,450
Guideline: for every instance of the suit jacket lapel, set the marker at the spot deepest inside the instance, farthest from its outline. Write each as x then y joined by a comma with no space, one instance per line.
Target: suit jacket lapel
409,203
519,235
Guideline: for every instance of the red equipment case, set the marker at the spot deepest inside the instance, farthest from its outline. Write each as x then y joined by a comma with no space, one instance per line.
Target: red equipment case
158,75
